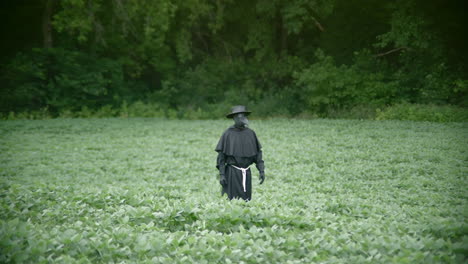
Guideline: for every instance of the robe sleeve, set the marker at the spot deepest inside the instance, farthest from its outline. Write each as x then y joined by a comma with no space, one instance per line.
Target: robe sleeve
259,162
221,163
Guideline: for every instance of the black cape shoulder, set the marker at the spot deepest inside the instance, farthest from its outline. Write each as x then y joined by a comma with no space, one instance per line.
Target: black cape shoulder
239,142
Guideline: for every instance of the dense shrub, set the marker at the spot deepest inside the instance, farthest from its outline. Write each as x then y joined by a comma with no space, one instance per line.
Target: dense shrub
62,83
326,85
417,112
140,109
60,79
413,112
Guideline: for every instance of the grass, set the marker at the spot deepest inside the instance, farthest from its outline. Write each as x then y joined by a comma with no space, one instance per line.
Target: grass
146,190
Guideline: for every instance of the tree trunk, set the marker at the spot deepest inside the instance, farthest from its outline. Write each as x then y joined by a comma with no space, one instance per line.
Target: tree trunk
47,23
281,35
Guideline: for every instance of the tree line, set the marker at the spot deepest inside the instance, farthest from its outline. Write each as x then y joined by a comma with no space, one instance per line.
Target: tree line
282,57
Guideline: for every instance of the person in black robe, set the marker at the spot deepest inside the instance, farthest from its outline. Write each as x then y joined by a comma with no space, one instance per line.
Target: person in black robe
238,148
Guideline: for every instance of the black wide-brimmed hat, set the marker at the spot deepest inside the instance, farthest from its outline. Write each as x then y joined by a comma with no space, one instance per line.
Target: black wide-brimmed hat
238,109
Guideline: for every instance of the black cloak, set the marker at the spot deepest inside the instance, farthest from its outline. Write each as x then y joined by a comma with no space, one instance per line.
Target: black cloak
239,142
238,147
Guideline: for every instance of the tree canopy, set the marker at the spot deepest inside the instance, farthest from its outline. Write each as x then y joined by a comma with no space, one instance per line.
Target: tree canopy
283,56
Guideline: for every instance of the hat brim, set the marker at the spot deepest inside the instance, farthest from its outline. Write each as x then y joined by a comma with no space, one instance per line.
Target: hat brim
232,114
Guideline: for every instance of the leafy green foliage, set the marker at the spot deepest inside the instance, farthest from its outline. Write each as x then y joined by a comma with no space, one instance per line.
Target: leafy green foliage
270,107
419,64
285,57
61,79
145,190
432,113
327,85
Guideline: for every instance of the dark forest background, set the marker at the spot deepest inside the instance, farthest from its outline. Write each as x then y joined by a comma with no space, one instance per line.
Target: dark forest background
196,58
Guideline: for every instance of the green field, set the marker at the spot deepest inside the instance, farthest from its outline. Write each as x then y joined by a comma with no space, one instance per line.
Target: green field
146,190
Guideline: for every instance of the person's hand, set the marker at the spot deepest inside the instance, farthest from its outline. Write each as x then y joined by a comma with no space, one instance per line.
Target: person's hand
262,177
222,180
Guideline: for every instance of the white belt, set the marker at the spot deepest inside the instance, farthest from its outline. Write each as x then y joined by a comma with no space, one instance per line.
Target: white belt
244,175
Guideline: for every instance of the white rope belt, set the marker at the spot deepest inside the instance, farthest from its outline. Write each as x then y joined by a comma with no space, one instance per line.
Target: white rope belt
244,175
